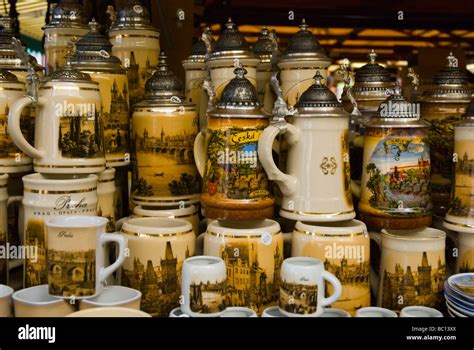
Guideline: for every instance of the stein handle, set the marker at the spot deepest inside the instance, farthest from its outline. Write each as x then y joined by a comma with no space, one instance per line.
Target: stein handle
285,182
14,127
200,152
329,277
105,272
119,223
374,277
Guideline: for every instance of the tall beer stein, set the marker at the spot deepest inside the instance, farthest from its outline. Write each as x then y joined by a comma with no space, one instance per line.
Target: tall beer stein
44,198
68,23
136,43
235,186
325,195
93,56
396,168
460,215
164,128
229,49
12,160
69,129
299,64
442,105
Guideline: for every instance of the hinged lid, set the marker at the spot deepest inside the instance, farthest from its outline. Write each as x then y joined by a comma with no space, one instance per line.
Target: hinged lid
163,83
199,50
265,46
231,43
69,74
372,72
68,14
133,15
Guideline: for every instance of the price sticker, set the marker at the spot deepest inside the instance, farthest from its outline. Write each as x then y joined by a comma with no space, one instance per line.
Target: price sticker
266,238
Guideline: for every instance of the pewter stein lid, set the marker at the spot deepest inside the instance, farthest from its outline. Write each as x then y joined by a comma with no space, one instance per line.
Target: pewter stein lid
198,52
133,15
231,43
239,99
69,74
94,51
264,47
304,44
9,57
372,72
319,101
450,84
68,14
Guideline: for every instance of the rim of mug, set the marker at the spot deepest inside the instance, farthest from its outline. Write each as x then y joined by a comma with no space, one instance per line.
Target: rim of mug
244,228
214,260
177,312
429,311
170,213
270,312
41,179
76,221
241,309
96,312
381,310
333,228
405,234
91,301
5,291
309,261
17,296
144,225
107,174
336,312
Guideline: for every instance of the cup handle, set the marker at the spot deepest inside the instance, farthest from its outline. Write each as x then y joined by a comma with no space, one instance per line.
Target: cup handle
374,277
105,272
119,223
200,153
329,277
14,127
285,182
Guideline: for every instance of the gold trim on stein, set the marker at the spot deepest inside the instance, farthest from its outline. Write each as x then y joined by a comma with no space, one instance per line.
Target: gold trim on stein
224,235
119,36
306,213
138,234
68,88
68,166
303,68
139,199
456,224
59,192
334,235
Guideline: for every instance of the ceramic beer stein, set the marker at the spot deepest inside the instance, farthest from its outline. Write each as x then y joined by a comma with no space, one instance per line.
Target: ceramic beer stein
266,48
253,253
76,253
43,199
344,249
396,168
235,186
204,286
230,49
412,268
464,251
12,160
460,215
442,105
106,197
164,128
303,58
158,248
326,194
68,24
136,42
93,55
302,289
69,130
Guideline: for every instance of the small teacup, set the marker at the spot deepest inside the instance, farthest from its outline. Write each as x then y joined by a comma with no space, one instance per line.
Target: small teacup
36,302
237,311
203,283
272,311
5,301
110,312
420,311
330,312
114,296
373,311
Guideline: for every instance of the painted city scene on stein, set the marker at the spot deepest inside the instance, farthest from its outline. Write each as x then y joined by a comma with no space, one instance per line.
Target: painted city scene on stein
36,270
164,155
419,281
137,75
398,173
463,203
298,298
208,297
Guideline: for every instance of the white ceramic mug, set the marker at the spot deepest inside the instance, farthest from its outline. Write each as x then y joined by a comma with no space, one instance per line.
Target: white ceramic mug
236,311
109,312
203,285
114,296
36,302
302,287
5,301
75,255
330,312
373,311
273,311
420,311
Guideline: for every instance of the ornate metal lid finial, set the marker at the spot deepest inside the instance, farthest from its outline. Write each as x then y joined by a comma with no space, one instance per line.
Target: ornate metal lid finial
318,78
304,26
372,56
229,24
162,63
240,72
93,26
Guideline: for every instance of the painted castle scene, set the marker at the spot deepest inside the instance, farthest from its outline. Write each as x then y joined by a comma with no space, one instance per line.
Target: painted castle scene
36,273
463,202
159,279
136,75
399,172
298,298
165,159
253,273
207,297
417,284
80,136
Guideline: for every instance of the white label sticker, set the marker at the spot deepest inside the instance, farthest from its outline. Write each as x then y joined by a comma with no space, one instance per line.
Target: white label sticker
104,54
138,9
266,238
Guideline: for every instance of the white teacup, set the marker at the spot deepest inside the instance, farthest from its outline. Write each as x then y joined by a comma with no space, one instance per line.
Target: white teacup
237,311
110,312
114,296
5,301
36,302
420,311
203,281
330,312
375,312
273,311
